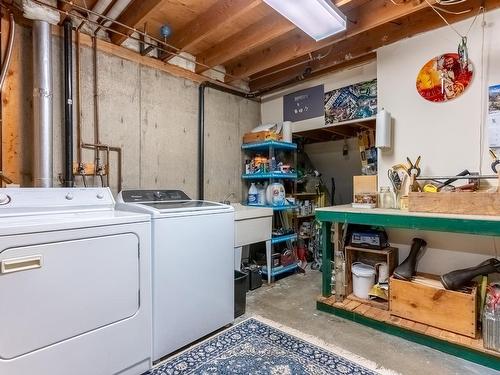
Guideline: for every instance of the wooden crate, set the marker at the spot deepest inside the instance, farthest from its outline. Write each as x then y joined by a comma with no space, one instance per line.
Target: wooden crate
435,306
465,203
390,255
261,137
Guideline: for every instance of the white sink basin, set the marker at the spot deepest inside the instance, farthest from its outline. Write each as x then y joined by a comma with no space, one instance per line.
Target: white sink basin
242,212
252,224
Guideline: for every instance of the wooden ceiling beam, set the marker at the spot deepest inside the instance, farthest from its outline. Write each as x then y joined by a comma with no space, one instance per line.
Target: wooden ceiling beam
219,14
361,19
268,28
364,44
134,15
261,32
277,80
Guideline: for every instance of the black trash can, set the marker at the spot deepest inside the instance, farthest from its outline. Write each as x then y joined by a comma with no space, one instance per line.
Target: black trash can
240,293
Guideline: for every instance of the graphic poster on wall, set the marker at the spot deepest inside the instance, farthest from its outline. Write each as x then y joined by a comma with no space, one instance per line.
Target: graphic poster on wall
351,102
443,78
494,116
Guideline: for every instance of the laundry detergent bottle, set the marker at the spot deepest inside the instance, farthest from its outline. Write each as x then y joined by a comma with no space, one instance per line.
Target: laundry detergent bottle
253,195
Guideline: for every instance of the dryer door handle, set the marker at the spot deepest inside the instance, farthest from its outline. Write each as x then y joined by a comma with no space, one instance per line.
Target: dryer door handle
20,264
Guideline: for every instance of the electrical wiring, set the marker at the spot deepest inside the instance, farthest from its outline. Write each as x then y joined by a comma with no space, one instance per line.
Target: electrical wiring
168,49
436,10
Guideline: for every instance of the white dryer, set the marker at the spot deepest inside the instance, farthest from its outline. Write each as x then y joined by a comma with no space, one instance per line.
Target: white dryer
193,265
75,284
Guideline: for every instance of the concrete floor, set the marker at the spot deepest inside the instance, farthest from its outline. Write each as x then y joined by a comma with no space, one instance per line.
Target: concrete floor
292,301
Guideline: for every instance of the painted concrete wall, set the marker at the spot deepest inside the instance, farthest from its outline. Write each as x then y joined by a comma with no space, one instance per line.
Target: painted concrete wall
150,114
447,135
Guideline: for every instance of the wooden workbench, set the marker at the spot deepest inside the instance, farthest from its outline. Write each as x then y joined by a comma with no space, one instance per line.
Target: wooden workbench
335,217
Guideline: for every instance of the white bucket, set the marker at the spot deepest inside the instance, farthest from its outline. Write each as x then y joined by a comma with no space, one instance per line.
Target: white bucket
363,279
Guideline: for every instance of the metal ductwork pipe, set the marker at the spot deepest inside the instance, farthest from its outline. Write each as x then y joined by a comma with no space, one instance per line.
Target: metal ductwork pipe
42,104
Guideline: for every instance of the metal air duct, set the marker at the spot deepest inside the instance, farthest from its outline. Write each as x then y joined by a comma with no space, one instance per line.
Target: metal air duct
42,104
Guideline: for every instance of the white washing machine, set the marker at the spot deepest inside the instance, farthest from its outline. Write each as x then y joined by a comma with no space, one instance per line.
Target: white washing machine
193,265
75,284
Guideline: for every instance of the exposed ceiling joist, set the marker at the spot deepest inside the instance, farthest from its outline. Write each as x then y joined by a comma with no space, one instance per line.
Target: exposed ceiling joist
219,14
261,32
347,52
270,79
135,14
265,30
361,19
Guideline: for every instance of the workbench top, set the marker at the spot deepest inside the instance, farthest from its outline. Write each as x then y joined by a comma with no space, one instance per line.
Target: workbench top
472,224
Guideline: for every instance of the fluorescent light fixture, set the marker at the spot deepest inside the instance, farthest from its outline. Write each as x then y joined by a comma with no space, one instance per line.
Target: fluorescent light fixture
317,18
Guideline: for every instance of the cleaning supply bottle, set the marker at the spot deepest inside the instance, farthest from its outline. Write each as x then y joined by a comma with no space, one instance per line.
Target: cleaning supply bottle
253,195
262,194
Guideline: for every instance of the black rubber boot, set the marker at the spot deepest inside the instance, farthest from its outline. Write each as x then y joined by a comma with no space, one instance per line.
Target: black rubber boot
454,280
407,269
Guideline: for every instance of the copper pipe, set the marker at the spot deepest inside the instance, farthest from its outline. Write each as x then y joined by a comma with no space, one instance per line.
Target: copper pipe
118,150
8,53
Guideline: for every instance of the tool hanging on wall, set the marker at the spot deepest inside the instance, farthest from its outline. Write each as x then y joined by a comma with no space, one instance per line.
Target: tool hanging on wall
496,162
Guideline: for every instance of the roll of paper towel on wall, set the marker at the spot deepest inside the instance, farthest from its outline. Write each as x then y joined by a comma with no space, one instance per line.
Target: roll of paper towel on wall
383,130
287,131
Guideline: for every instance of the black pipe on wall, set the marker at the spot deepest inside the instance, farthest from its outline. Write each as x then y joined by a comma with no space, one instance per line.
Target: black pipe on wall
68,103
201,128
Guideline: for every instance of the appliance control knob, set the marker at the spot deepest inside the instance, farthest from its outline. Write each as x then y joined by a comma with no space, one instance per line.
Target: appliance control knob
4,199
99,196
69,196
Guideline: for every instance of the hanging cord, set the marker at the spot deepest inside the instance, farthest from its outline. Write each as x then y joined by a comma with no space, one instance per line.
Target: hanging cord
482,96
438,9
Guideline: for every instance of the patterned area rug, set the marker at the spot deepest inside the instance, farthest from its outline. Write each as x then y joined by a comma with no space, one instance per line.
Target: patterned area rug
258,346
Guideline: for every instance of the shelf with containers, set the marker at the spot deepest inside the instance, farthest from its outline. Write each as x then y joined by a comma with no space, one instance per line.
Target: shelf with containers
269,177
306,226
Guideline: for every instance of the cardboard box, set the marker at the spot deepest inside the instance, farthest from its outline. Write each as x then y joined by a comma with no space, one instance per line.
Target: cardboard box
261,137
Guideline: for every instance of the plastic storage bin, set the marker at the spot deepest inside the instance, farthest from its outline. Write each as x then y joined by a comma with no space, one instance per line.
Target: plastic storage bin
240,293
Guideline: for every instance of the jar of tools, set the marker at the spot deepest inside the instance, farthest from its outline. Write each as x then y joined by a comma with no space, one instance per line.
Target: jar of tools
386,198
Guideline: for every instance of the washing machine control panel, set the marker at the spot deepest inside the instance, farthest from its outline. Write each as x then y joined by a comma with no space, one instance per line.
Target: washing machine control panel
153,195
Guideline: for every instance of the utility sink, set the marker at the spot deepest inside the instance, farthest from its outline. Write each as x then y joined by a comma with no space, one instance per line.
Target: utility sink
252,224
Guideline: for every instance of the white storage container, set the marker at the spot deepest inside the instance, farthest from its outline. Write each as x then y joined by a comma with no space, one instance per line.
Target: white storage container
363,279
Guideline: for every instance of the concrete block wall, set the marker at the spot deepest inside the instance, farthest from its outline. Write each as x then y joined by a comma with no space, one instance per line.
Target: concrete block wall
152,115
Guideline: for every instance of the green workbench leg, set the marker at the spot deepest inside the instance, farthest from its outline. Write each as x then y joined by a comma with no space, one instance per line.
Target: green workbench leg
326,248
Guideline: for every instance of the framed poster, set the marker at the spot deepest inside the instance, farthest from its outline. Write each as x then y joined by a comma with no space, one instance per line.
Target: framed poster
351,102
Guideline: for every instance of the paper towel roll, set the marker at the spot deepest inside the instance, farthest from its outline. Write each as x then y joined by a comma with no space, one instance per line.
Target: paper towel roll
383,131
287,131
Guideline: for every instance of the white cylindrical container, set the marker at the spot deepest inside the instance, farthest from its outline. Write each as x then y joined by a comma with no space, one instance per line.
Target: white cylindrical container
363,279
287,131
383,130
383,272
